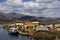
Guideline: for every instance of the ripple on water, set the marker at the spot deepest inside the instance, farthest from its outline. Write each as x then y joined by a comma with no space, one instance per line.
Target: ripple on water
5,36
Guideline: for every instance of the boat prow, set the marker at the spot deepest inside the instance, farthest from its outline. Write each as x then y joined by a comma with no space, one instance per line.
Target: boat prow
13,31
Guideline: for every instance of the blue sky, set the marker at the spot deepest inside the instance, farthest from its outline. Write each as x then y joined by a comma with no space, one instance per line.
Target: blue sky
22,0
2,0
46,8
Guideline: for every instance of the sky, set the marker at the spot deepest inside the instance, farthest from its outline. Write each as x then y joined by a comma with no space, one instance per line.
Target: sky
2,0
44,8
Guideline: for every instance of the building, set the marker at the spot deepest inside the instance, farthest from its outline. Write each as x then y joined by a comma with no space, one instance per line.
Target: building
57,28
57,25
19,24
28,26
35,23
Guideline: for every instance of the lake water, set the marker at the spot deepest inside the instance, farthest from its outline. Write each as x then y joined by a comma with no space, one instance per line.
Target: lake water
5,36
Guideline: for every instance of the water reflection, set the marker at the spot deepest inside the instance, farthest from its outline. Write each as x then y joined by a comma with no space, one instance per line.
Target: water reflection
5,36
12,35
18,37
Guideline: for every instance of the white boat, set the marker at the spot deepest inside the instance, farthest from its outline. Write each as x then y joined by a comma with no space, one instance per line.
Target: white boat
13,30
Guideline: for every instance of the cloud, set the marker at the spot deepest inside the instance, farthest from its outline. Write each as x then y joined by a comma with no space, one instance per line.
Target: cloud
45,1
14,1
46,8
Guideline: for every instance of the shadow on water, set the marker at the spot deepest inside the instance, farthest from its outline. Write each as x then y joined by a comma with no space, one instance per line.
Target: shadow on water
14,35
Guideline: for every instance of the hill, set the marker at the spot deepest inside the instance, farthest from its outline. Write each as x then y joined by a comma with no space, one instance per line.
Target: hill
4,17
28,18
13,17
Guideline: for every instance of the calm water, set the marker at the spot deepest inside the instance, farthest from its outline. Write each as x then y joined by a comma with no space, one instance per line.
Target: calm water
5,36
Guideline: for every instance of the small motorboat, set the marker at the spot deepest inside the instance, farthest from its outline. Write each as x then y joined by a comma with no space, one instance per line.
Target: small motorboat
13,30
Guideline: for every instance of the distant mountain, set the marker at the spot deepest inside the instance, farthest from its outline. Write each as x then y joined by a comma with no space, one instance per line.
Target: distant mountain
13,17
9,16
48,20
28,18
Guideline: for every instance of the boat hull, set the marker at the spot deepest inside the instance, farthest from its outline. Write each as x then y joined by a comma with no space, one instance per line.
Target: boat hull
14,33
